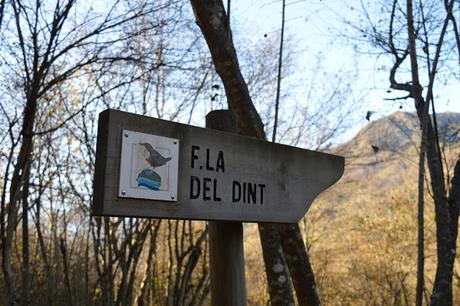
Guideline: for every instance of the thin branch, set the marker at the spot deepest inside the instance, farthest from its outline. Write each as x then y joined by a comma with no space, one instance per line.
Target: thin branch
280,64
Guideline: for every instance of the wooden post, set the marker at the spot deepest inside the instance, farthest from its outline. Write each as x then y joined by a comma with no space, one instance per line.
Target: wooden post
228,286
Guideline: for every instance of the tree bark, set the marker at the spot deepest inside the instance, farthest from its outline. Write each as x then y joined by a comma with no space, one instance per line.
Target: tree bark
442,289
25,294
276,269
17,181
280,66
213,22
420,225
300,268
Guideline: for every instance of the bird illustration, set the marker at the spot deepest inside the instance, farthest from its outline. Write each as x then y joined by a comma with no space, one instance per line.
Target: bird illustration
155,159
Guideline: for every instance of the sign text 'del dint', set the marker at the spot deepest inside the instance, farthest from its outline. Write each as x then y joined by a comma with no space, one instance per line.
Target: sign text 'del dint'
147,167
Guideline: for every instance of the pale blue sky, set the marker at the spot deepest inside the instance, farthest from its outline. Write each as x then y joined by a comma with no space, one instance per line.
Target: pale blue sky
316,27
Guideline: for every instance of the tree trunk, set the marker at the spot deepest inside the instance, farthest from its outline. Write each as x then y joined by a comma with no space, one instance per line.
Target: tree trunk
442,289
213,22
17,182
420,226
300,268
279,282
25,295
280,65
211,18
454,206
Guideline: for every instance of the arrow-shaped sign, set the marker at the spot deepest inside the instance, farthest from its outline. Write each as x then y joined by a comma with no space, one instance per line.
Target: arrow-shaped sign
147,167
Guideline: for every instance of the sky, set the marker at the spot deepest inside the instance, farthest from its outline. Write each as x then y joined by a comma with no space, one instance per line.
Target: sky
317,28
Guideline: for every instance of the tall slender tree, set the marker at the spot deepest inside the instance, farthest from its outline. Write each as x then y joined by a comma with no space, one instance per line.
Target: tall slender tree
411,30
211,18
46,51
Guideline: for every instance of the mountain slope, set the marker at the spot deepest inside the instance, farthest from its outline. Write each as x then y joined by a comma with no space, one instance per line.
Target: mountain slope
362,232
364,229
397,132
384,154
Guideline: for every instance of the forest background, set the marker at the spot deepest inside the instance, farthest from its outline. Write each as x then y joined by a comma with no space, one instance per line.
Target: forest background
62,62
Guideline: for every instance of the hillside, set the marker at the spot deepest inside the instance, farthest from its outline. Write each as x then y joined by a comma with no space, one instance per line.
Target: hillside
384,154
361,233
398,132
382,162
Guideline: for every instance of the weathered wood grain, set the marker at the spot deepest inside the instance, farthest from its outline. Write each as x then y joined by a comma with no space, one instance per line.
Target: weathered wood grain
288,178
226,254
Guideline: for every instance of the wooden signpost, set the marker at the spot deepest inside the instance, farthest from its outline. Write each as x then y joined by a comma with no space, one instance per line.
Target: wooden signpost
147,167
226,253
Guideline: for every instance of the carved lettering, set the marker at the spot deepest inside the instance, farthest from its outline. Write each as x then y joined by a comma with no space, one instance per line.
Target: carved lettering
194,156
194,187
220,162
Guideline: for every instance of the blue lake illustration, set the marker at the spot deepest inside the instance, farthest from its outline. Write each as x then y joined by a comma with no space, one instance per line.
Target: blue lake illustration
148,177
